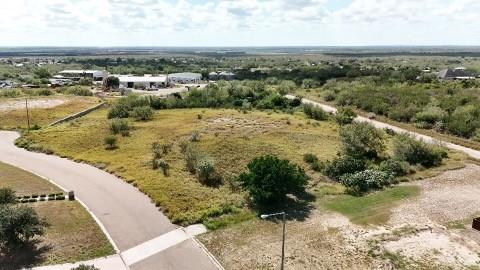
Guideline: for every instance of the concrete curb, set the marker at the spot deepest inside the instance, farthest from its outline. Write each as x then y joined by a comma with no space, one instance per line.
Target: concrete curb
79,114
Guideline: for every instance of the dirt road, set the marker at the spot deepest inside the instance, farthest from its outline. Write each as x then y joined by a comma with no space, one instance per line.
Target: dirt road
472,153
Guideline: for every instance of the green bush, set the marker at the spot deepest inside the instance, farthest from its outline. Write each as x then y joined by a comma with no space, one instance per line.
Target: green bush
118,110
143,113
7,196
407,148
206,172
79,91
120,126
85,267
365,181
10,93
269,179
394,167
43,92
19,224
161,163
345,116
340,166
362,140
430,115
315,112
111,142
329,95
310,158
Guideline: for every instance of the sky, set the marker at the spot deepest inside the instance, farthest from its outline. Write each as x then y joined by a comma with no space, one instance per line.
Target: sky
239,22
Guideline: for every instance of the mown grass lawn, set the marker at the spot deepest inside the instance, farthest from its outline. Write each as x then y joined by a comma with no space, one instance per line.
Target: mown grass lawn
371,209
17,118
72,234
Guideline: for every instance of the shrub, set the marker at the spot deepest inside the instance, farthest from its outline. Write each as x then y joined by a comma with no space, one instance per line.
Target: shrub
43,92
315,112
19,224
430,115
195,137
120,126
206,172
119,110
111,142
163,164
10,93
79,91
329,95
361,140
407,148
142,113
394,167
310,158
7,196
345,116
85,267
160,150
191,158
343,165
269,179
364,181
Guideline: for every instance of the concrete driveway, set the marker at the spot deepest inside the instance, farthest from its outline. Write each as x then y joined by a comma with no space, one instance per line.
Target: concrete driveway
127,215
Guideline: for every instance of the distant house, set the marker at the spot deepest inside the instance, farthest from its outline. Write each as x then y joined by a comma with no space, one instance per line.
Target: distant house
143,82
458,73
224,75
76,75
185,78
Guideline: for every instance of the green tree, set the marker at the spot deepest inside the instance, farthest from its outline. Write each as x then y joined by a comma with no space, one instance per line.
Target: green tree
7,196
112,82
345,116
362,140
270,179
19,224
43,73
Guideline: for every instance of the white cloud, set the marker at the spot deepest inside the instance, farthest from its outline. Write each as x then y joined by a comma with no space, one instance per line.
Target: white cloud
235,22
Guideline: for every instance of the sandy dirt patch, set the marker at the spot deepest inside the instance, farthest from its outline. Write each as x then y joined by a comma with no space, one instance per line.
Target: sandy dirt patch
240,126
32,104
418,234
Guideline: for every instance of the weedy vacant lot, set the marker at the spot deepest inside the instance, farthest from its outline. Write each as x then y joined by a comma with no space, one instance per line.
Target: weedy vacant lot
72,234
42,110
230,137
331,231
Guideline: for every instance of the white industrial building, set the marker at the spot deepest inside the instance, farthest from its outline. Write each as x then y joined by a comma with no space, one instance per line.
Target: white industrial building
75,75
185,78
143,82
223,75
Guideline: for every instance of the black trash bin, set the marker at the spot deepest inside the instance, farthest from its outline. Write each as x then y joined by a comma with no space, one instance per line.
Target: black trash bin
476,224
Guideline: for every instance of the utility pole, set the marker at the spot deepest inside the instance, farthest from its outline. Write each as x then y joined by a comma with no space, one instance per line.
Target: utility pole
28,116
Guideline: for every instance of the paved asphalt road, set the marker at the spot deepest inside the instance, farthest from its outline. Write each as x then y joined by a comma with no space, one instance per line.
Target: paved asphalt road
127,215
471,152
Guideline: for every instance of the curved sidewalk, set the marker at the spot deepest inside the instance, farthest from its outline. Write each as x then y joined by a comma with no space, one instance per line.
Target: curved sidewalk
471,152
127,215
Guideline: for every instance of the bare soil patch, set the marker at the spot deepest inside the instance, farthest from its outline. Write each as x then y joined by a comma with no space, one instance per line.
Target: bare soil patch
419,234
12,105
